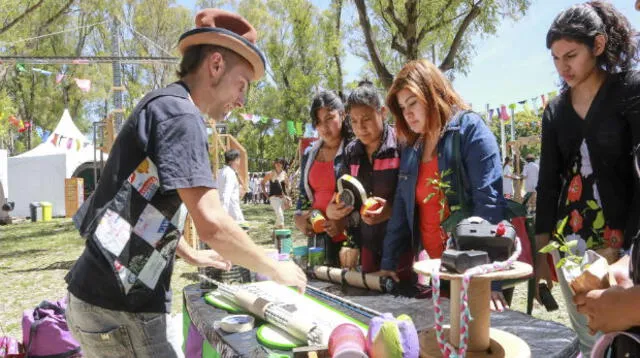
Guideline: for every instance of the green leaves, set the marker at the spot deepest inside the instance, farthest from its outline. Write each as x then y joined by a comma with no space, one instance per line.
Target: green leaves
553,245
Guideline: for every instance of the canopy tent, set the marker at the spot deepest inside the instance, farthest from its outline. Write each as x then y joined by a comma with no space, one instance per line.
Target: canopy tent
38,175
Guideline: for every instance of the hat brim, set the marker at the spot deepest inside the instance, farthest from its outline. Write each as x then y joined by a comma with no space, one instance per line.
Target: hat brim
228,40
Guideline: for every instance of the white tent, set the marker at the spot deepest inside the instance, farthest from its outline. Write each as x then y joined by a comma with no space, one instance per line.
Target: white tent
38,175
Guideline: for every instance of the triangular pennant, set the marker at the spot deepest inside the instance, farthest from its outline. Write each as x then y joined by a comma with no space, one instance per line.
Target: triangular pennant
54,141
45,136
69,143
299,130
84,85
491,114
247,117
275,121
291,128
59,77
20,67
503,113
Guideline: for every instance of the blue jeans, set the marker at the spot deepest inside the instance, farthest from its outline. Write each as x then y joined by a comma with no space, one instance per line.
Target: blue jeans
106,333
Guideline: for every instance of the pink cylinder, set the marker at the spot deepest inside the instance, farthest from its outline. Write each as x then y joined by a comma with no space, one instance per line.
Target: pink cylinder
347,341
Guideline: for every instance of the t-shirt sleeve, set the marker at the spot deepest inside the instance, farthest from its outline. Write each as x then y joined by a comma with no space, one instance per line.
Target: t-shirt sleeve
181,153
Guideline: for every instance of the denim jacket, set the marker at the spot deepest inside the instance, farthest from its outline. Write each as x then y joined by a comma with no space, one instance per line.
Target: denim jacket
481,159
305,198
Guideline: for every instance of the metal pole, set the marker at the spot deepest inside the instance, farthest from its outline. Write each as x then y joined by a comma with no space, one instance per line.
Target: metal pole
503,140
513,125
95,168
117,75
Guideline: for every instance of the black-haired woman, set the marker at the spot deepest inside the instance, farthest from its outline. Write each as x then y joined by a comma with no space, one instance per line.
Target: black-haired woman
586,178
277,180
373,158
320,167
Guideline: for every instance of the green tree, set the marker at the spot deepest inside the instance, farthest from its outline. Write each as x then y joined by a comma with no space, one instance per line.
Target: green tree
395,32
527,125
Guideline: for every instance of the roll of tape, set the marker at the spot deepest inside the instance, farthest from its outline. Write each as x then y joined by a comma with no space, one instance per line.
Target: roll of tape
237,323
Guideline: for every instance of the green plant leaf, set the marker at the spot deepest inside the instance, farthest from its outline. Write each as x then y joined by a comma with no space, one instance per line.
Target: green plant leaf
561,262
562,224
429,197
598,223
563,248
593,205
590,242
572,243
553,245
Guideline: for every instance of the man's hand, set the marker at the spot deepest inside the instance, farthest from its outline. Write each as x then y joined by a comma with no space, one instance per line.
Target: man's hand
381,214
289,274
605,309
334,227
498,302
303,224
210,258
337,211
620,272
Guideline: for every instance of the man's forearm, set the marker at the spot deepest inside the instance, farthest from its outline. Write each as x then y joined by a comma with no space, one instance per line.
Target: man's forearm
186,252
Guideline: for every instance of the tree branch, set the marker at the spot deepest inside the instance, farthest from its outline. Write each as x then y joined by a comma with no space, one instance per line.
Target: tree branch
20,17
397,46
426,29
383,73
58,14
392,11
336,54
447,63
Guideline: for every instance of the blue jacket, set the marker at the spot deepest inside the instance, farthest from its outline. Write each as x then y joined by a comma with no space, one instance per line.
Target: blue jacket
481,159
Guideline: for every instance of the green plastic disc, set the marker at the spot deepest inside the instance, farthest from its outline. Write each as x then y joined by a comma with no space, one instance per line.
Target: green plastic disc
275,338
216,300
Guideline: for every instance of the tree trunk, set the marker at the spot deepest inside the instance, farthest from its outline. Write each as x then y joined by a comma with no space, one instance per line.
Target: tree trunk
383,73
448,62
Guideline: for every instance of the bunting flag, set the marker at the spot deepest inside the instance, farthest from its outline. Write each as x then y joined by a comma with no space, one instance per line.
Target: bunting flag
264,119
45,136
491,114
78,144
512,107
246,116
275,121
291,128
54,140
84,85
59,77
299,129
270,132
504,115
46,73
20,67
21,127
14,121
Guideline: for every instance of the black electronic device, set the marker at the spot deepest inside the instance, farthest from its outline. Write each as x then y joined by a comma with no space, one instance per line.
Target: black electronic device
460,261
546,298
475,233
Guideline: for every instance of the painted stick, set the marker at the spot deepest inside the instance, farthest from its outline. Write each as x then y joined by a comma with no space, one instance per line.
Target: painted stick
354,278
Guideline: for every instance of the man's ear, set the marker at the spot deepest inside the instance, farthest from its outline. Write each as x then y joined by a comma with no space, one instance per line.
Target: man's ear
215,64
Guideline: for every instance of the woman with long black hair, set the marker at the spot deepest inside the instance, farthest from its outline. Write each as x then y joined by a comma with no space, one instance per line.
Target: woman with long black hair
586,178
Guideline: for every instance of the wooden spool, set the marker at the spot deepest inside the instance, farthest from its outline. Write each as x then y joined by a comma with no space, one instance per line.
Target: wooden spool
484,341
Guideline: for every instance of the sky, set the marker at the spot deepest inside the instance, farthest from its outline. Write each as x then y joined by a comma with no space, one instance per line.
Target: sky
510,66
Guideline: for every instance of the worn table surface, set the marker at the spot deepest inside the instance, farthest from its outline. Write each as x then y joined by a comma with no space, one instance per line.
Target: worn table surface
545,338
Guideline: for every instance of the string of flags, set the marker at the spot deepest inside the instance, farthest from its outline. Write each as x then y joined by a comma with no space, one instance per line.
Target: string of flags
83,84
293,127
57,140
502,112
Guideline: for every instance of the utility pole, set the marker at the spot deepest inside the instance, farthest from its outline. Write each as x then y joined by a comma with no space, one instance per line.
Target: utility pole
117,75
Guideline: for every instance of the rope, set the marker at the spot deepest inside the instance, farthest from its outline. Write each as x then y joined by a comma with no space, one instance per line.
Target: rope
51,34
447,349
148,40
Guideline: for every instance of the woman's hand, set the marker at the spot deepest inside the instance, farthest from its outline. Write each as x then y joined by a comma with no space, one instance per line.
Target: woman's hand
498,303
337,211
334,227
303,224
606,310
379,215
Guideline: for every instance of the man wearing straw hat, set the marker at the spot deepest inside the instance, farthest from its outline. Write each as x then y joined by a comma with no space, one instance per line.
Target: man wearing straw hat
119,292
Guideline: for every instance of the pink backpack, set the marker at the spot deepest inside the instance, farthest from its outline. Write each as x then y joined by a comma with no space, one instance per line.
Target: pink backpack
45,332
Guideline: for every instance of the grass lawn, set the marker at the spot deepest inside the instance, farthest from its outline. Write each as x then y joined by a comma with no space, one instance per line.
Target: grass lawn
35,257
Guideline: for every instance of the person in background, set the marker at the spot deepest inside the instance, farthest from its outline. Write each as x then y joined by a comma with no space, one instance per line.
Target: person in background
530,174
507,178
255,188
373,158
586,177
277,179
229,185
248,196
320,167
119,288
427,111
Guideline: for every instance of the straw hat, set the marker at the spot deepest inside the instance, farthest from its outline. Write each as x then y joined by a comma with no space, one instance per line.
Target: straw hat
229,30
